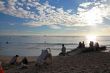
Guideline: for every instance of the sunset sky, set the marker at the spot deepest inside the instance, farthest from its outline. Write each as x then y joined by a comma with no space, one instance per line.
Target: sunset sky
55,17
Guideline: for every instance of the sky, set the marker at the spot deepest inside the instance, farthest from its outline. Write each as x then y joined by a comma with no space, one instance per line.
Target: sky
55,17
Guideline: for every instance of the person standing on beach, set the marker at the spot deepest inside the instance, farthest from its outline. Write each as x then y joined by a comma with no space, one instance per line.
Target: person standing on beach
63,50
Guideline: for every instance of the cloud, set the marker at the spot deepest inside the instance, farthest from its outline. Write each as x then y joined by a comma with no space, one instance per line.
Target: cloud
95,14
86,4
15,8
2,6
45,14
55,27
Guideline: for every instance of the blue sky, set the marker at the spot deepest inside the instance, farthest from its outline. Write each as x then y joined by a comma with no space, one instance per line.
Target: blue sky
54,17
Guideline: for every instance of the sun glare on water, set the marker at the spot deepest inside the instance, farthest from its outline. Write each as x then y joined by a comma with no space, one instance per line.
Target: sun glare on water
91,38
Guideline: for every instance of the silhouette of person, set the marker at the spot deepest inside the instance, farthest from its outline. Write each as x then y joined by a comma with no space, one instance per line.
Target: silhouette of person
83,45
24,61
48,59
91,44
80,45
14,60
63,50
96,46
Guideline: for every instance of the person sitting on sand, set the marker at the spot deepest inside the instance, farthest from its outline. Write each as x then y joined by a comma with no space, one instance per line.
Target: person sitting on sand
48,59
45,57
24,63
80,45
14,60
63,50
83,45
96,46
91,44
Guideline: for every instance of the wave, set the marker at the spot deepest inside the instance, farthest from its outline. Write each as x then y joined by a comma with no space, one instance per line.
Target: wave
54,43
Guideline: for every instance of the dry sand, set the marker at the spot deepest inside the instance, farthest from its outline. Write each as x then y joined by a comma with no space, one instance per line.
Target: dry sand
93,62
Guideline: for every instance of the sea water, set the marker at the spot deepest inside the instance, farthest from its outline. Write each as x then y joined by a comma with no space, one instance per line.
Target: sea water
33,45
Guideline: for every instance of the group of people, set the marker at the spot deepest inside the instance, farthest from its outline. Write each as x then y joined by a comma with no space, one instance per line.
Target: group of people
46,55
44,58
15,61
81,45
91,45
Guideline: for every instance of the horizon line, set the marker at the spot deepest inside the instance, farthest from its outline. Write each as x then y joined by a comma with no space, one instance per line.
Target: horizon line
46,35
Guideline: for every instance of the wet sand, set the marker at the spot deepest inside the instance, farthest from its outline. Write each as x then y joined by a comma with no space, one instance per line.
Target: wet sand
92,62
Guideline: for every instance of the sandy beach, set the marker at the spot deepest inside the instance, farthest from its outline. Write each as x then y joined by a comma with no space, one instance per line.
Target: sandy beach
92,62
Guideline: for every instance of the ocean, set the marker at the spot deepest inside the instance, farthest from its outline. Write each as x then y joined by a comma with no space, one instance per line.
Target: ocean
33,45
